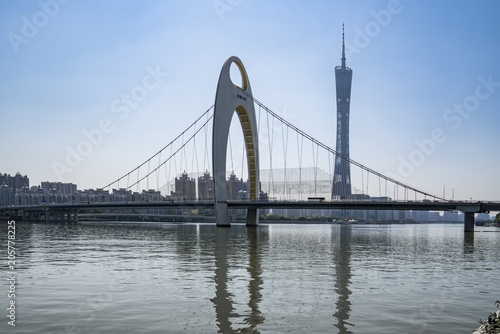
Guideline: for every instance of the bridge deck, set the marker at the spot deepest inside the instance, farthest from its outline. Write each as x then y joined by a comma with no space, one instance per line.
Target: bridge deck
463,206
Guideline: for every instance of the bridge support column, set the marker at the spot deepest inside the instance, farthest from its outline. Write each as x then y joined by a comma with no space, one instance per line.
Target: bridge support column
468,221
49,216
222,215
252,217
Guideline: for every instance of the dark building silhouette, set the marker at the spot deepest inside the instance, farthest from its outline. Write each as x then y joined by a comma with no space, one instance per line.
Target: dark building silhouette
6,195
185,188
236,188
205,187
59,187
15,183
342,174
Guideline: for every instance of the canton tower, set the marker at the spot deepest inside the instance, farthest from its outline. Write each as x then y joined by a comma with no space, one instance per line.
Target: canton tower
342,174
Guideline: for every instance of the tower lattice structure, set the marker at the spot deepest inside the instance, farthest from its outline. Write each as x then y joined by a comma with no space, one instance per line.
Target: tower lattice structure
342,173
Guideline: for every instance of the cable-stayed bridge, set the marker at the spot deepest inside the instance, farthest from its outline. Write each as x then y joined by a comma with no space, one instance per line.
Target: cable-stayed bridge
265,162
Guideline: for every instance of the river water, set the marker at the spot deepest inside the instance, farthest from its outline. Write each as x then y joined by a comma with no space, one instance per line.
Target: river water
282,278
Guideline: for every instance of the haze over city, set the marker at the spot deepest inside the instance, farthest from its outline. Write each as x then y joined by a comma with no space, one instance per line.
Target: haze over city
425,91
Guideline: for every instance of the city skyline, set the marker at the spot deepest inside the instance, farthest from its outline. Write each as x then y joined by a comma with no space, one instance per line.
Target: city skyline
425,98
14,190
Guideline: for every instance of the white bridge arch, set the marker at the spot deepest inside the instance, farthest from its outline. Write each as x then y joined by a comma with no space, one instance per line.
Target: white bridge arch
231,98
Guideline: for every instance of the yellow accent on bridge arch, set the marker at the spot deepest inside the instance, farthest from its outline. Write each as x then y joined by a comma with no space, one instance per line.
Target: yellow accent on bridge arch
251,151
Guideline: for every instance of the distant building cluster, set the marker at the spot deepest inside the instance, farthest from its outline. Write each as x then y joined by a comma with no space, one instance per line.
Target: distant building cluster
10,185
186,189
59,187
15,190
36,195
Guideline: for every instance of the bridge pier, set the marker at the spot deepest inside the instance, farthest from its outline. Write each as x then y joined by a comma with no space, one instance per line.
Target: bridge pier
468,221
252,217
222,214
55,215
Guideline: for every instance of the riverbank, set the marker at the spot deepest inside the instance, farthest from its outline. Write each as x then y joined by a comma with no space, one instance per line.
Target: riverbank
490,326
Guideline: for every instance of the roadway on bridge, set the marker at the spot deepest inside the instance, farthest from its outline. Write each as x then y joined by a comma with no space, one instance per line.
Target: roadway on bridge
463,206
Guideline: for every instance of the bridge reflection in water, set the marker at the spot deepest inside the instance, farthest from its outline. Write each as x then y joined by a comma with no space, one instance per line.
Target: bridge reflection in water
341,243
233,317
276,278
223,298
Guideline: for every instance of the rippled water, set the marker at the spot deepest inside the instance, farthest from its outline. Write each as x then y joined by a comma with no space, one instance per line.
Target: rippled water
195,278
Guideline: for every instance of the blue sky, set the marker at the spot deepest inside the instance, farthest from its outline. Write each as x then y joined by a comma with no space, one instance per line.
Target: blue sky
413,61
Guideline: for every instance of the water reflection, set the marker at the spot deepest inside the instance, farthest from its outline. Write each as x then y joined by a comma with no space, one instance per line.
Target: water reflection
228,248
255,285
468,243
223,300
341,235
286,278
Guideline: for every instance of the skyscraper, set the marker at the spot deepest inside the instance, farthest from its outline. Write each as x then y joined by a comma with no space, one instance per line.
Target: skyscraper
185,188
205,187
342,174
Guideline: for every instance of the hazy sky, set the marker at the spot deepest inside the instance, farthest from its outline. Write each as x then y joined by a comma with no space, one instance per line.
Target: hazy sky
425,94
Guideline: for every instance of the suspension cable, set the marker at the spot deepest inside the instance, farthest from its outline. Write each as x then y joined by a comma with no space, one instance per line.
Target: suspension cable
145,162
337,153
179,149
231,152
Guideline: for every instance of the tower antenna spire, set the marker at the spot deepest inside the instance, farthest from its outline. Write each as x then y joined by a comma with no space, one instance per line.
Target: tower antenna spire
343,48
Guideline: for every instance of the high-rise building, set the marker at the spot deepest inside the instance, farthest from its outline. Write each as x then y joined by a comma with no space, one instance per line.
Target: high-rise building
59,187
185,188
6,195
16,183
236,188
342,174
205,187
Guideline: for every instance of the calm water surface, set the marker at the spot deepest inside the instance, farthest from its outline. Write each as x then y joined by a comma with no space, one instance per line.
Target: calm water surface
195,278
